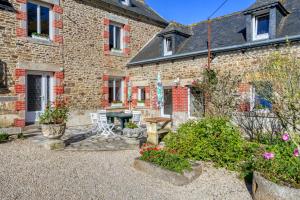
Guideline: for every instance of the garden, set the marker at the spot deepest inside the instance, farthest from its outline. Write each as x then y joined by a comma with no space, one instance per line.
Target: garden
261,144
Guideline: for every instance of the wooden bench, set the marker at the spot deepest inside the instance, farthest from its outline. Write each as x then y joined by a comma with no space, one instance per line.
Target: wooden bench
157,128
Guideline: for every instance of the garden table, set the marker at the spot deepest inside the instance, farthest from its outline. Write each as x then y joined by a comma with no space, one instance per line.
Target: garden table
122,117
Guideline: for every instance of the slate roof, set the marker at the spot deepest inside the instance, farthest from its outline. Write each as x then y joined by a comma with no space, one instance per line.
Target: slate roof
227,31
5,5
139,8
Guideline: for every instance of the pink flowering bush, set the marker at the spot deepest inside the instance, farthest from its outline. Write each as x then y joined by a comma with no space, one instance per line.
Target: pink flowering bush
279,161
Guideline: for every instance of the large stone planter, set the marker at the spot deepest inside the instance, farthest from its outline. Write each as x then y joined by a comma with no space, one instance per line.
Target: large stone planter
166,175
133,133
267,190
53,131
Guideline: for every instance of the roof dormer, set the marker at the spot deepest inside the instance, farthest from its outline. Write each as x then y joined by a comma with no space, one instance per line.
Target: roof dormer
125,2
172,37
263,18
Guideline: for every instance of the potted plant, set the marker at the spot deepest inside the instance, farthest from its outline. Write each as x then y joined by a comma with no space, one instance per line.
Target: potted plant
53,121
40,36
276,168
141,103
132,130
117,104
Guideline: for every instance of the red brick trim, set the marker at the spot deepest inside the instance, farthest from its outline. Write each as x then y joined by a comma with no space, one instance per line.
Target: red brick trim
127,51
21,32
58,90
22,1
105,90
21,15
180,99
244,107
20,89
57,9
58,24
19,123
20,72
106,21
244,88
19,105
105,78
58,39
127,27
134,99
105,34
106,47
59,75
127,40
147,100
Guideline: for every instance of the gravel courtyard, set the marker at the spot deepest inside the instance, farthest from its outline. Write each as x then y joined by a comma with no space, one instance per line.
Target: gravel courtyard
32,173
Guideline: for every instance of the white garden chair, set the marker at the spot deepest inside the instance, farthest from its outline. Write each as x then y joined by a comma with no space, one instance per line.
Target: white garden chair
137,117
94,120
104,126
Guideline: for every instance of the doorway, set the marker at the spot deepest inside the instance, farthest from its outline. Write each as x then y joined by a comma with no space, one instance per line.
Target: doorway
38,94
167,108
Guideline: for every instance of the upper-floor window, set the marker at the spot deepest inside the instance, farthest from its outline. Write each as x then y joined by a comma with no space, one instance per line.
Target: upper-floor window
125,2
38,20
261,27
168,44
115,37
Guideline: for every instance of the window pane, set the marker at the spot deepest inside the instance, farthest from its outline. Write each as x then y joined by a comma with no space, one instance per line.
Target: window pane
119,90
143,94
262,25
111,37
110,91
196,103
45,21
31,18
263,94
118,38
169,44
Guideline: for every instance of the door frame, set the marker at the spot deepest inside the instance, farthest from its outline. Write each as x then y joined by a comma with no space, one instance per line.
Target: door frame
162,109
44,75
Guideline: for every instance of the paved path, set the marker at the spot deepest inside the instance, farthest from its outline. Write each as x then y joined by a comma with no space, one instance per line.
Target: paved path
28,172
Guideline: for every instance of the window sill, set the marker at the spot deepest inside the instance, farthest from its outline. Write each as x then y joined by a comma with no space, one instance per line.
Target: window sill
261,37
39,41
117,53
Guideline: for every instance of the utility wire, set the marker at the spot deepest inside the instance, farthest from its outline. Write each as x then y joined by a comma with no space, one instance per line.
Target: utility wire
225,1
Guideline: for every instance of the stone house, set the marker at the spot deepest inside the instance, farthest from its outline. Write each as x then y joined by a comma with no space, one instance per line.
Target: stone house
91,51
70,48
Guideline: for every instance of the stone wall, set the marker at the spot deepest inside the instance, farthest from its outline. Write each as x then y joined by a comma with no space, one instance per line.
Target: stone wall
189,69
15,50
87,59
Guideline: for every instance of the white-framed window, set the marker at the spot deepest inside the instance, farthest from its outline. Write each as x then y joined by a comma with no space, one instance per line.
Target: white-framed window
196,106
39,20
261,27
115,37
260,96
168,44
125,2
116,90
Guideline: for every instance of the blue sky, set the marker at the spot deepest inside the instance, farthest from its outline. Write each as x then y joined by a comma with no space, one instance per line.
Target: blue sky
193,11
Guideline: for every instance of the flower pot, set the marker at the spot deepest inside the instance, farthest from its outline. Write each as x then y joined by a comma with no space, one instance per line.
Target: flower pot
53,131
267,190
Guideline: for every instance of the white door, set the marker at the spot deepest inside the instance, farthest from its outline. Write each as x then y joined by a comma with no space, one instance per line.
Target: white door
38,94
167,108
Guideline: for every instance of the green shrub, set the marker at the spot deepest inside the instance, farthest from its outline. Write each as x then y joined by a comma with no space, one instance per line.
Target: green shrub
3,136
131,125
166,160
210,139
278,162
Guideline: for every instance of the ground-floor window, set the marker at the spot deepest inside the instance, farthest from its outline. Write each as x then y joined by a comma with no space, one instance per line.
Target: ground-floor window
196,103
141,95
261,95
115,90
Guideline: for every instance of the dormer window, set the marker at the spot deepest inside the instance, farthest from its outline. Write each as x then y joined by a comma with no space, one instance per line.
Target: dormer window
125,2
168,44
261,27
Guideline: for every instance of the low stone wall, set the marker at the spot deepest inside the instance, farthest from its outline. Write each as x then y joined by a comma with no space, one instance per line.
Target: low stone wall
267,190
166,175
